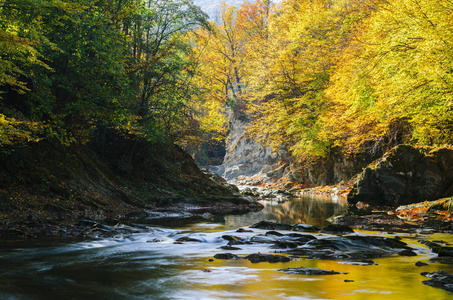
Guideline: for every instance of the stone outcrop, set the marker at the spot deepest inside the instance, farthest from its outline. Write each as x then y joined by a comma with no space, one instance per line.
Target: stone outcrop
246,157
406,175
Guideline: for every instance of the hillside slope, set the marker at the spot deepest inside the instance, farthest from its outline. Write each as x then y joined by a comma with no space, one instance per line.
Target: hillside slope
111,176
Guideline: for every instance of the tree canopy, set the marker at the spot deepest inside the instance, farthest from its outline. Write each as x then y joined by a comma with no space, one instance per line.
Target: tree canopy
70,66
315,75
353,75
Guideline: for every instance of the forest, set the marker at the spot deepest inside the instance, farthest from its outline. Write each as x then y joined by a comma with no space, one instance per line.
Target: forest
317,76
347,76
69,67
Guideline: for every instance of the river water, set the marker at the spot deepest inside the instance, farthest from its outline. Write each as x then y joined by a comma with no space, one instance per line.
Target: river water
152,266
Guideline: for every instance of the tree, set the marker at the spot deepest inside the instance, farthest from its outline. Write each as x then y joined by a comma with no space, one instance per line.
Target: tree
160,69
398,87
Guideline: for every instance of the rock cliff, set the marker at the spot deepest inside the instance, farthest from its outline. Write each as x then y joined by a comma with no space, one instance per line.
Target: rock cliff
406,175
246,157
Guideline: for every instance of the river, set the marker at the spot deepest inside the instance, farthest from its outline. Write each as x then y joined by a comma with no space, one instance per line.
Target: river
151,266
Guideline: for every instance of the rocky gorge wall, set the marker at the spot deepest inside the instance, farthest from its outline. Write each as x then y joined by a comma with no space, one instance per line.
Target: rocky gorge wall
406,175
248,158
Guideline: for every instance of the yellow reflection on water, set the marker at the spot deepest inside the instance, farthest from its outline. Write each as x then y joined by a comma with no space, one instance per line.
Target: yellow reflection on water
394,277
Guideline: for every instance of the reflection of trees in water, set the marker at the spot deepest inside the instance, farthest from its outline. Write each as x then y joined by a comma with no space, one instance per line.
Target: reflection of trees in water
308,209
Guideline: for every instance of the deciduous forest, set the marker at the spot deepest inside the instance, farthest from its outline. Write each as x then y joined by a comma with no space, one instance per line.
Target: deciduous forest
354,75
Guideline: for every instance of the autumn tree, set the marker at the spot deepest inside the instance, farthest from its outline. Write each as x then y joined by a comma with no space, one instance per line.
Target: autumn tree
397,89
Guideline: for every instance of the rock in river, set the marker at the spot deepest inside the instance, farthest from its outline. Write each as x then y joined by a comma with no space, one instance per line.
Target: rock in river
350,248
337,229
271,226
440,279
226,256
305,228
309,271
258,257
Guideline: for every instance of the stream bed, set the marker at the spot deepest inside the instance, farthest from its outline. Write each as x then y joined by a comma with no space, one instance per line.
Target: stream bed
155,265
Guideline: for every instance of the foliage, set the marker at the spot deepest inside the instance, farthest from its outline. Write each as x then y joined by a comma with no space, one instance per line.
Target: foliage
314,75
74,65
353,75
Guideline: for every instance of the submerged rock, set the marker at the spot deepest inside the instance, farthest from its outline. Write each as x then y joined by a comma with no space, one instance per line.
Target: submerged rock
309,271
440,279
188,239
242,230
258,257
360,263
420,264
231,248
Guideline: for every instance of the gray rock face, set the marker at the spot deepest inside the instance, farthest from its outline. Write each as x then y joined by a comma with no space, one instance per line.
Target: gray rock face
246,157
406,175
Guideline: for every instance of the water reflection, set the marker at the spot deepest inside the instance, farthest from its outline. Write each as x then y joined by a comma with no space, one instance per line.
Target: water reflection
309,209
153,266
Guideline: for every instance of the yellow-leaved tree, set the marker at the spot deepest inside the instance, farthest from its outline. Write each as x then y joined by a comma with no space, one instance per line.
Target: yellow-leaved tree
398,86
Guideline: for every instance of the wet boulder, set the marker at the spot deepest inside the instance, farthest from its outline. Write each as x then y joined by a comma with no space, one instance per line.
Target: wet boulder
258,257
282,241
439,279
310,271
284,245
351,248
306,228
233,240
337,229
265,239
298,238
226,256
447,260
271,226
276,233
439,249
407,253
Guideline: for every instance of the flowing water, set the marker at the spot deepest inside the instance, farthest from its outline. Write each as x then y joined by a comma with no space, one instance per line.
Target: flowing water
152,266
